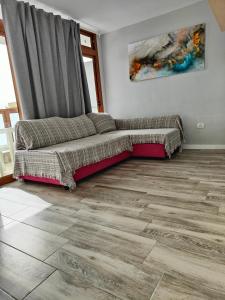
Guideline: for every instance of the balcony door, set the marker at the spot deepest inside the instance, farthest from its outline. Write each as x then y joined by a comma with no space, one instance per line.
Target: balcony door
90,56
8,112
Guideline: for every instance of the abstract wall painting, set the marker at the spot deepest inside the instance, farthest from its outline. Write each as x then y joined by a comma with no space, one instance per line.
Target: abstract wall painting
168,54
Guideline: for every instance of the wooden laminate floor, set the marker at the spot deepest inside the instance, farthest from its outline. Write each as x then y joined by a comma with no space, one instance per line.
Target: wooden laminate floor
142,230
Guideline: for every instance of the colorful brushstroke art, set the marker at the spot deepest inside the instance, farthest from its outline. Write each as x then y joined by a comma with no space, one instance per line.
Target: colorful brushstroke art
168,54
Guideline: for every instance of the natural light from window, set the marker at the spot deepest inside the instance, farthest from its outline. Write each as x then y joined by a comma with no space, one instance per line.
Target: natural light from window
8,112
89,68
7,94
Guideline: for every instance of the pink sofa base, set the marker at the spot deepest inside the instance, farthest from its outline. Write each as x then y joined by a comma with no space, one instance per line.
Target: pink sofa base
149,150
105,163
84,171
41,179
139,150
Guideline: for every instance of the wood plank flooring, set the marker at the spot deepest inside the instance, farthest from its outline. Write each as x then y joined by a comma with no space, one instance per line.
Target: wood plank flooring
142,230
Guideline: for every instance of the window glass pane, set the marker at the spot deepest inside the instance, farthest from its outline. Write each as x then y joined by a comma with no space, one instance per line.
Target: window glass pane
6,151
88,63
7,93
14,118
1,122
8,109
85,40
3,139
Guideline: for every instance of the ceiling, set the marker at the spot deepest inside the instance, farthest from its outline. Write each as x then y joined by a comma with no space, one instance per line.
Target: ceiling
109,15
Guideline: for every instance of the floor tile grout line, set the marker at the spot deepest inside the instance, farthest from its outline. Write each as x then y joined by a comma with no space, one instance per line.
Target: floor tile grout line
62,271
39,284
55,252
118,187
176,230
7,293
175,220
35,227
185,251
155,245
155,241
20,203
158,284
43,230
55,212
42,261
109,227
59,234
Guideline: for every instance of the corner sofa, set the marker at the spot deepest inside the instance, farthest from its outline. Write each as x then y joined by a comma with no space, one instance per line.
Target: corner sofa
64,150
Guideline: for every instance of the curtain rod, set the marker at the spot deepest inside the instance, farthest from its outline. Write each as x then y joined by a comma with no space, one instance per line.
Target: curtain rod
63,14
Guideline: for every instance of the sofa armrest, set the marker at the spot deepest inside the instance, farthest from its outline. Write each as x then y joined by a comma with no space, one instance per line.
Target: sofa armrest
173,121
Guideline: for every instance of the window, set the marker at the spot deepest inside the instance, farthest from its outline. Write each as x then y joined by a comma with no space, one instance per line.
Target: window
91,63
89,68
8,111
85,40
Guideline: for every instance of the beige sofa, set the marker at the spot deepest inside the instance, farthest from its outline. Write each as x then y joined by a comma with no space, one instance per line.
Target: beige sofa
63,151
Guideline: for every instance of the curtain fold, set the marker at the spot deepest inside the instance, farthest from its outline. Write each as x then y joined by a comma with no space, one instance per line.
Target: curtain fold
47,61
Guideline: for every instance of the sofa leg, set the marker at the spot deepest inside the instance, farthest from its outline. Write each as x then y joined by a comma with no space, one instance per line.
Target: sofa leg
68,188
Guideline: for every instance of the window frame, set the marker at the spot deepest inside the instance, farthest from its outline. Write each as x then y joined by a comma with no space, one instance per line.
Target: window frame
92,52
6,112
2,33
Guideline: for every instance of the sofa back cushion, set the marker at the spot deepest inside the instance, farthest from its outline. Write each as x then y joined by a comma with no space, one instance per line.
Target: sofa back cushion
172,121
103,122
33,134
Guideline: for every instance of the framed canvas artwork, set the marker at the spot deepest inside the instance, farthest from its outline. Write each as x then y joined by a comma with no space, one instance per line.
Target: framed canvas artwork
176,52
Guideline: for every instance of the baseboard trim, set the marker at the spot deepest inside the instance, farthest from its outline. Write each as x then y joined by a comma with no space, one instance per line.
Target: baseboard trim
195,146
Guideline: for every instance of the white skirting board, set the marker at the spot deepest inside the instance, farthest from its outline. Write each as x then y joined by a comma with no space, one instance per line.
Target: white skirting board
195,146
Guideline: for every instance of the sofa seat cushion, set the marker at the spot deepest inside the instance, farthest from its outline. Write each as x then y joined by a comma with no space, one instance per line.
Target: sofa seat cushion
169,137
34,134
103,122
62,160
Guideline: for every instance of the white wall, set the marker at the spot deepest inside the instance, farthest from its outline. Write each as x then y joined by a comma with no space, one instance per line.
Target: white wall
197,96
47,8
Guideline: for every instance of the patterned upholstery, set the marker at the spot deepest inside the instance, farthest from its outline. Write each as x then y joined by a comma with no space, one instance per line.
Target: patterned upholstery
103,122
60,161
173,121
33,134
169,137
64,145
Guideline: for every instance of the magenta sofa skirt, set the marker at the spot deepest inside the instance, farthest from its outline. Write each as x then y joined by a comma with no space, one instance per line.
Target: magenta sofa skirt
139,150
149,150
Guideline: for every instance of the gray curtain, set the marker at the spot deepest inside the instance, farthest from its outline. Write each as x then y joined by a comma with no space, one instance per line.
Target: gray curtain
47,61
